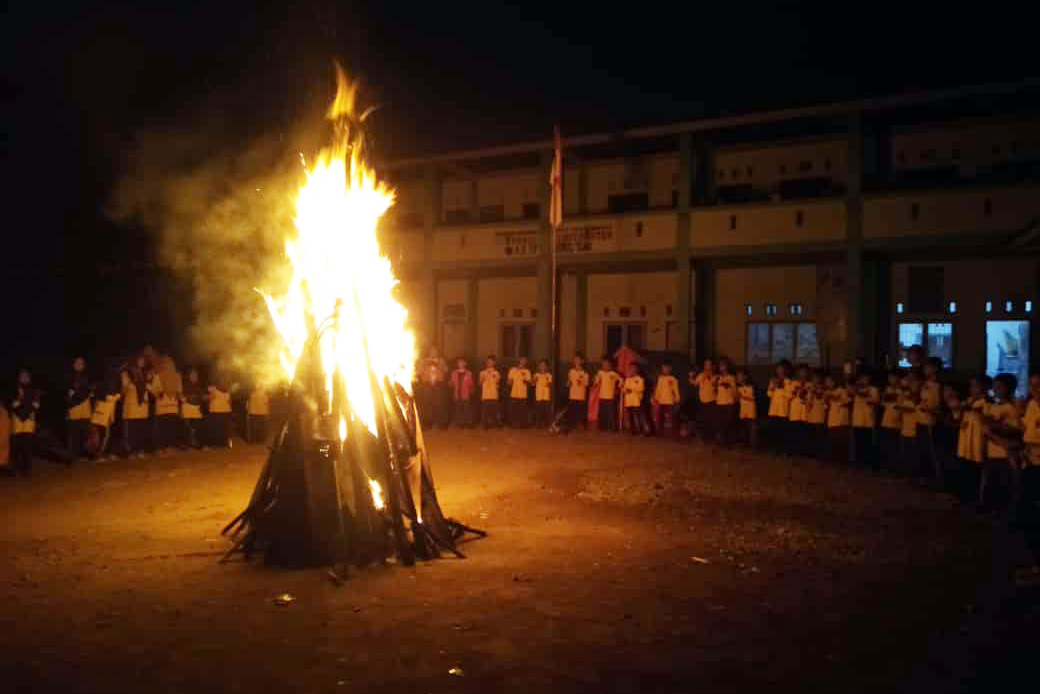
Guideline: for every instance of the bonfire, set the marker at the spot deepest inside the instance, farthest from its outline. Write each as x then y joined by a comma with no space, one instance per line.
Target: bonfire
347,480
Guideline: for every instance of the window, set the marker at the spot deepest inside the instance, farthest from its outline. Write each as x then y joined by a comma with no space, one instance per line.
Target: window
628,202
799,218
531,210
899,307
735,173
453,311
989,307
1029,307
732,221
642,311
501,313
606,311
667,309
518,313
515,340
624,311
768,343
1007,350
1009,306
720,174
617,334
458,216
953,307
770,309
915,211
795,309
492,213
935,338
639,229
748,310
927,288
534,313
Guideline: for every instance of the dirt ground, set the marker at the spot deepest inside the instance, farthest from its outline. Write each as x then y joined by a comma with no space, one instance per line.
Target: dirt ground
613,565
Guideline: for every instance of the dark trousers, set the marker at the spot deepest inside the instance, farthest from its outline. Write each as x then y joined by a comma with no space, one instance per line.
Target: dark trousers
22,453
256,428
888,448
519,417
909,458
543,414
219,425
577,414
818,443
799,438
865,450
192,432
637,423
996,486
489,414
927,461
969,478
747,432
78,429
1027,515
166,430
726,419
839,439
667,420
608,415
138,435
778,428
463,413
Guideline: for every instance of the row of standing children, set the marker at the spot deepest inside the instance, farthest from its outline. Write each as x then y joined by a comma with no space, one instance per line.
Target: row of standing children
155,416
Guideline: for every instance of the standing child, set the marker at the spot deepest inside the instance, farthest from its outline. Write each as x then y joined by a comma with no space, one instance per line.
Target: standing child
218,419
666,401
928,411
748,414
634,387
798,411
490,379
78,407
891,420
779,405
606,382
577,392
866,399
136,427
519,379
167,411
909,401
1028,512
816,419
947,431
706,384
726,401
24,406
192,397
103,416
971,440
462,394
1001,423
543,414
839,400
258,411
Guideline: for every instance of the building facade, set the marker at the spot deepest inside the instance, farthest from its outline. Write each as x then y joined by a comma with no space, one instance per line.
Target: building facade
817,234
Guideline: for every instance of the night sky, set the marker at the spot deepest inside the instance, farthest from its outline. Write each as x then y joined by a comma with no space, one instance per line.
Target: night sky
82,82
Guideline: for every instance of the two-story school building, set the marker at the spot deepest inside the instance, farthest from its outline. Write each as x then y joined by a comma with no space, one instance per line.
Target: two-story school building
815,234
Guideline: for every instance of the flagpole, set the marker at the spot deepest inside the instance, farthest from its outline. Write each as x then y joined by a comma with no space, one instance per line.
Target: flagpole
555,219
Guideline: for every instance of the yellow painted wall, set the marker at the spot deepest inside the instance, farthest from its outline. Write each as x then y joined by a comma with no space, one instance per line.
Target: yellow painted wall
758,286
495,295
967,144
655,290
761,166
950,212
568,316
484,242
971,283
768,224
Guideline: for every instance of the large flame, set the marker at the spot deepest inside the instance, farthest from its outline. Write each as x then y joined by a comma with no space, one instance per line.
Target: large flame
339,274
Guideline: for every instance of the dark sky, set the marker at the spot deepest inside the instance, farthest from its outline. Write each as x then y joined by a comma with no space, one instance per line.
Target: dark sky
80,83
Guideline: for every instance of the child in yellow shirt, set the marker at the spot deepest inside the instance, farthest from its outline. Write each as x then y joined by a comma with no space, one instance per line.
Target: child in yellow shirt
748,414
1001,423
577,393
971,441
839,402
543,415
725,401
816,417
798,411
490,380
607,383
519,379
779,396
865,401
666,401
891,420
1028,517
634,387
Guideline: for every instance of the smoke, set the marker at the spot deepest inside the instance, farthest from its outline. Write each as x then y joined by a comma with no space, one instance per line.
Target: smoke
221,215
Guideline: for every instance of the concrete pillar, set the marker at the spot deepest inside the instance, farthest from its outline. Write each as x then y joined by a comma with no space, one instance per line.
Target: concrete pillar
583,189
581,314
854,338
431,218
682,243
472,303
543,346
704,312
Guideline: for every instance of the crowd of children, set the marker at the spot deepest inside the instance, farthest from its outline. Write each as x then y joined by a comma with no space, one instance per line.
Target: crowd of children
143,407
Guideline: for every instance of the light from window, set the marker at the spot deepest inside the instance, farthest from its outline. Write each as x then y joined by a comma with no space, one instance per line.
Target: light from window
910,334
770,309
748,310
1029,307
1009,306
953,307
899,307
939,342
989,307
794,309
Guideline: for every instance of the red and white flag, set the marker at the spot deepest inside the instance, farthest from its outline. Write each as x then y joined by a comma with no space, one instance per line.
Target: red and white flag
556,183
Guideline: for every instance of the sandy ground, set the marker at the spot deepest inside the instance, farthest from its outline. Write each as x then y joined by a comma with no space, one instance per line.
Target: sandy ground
613,565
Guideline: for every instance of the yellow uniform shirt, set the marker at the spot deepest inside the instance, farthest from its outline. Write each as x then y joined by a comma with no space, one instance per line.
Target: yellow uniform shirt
1031,436
518,381
891,417
817,406
577,384
864,412
971,440
23,426
543,387
838,414
634,387
134,407
748,406
189,411
666,392
608,382
796,408
489,380
1005,413
80,411
706,390
258,404
219,400
105,410
779,398
931,398
727,389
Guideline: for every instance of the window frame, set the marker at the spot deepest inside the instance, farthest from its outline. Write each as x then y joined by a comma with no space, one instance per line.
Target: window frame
795,324
925,323
502,351
625,325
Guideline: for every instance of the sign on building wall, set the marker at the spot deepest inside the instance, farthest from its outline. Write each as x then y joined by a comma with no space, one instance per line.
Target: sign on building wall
580,239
